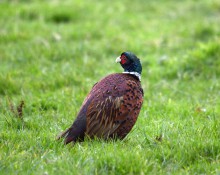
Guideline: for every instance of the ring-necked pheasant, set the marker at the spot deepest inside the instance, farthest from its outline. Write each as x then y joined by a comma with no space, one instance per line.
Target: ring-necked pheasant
111,108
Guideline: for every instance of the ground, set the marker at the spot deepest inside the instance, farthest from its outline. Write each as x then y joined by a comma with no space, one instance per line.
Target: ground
51,54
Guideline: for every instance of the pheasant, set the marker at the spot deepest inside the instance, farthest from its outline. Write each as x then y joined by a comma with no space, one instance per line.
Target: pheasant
111,108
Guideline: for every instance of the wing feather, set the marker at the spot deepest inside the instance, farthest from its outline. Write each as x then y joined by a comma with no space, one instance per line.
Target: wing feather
106,113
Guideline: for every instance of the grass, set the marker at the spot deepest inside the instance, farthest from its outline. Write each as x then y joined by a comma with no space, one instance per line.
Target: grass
51,54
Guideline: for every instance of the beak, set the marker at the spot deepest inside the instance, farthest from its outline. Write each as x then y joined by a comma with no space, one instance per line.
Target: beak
118,60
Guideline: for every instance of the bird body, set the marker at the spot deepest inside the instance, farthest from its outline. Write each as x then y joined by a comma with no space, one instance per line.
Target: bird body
110,110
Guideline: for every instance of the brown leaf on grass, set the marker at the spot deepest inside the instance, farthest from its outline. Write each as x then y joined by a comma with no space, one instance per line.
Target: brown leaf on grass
20,109
200,109
16,111
159,138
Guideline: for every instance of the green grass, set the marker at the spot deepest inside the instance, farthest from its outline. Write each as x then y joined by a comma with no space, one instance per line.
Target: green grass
51,54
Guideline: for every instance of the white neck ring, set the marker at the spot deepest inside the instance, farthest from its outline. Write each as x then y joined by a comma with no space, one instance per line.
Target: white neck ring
134,73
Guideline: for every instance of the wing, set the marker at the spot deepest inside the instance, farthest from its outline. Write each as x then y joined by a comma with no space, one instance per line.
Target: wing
103,117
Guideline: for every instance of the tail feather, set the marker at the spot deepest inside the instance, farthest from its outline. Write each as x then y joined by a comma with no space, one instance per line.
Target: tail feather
63,134
67,135
72,134
76,132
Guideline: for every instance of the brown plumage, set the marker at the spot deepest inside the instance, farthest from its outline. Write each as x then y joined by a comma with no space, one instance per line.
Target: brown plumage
111,108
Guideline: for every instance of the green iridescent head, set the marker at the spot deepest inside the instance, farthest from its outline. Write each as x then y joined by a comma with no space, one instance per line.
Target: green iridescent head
130,62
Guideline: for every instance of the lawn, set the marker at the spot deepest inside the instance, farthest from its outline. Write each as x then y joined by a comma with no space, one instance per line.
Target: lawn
51,54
